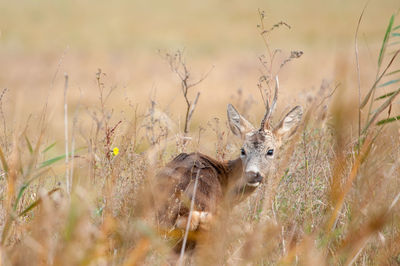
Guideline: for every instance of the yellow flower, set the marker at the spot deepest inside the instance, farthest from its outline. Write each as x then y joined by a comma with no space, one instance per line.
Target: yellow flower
115,151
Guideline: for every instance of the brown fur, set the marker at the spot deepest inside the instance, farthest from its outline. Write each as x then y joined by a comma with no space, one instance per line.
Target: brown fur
176,182
228,181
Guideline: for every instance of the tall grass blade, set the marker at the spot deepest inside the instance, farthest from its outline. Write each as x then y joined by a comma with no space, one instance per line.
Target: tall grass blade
393,72
389,83
49,147
380,110
35,155
358,70
51,161
366,98
36,202
385,95
29,145
25,186
19,196
393,43
388,120
72,220
365,149
3,161
385,40
56,159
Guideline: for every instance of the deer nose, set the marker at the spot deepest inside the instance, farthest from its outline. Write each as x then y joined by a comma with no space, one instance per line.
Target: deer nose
254,178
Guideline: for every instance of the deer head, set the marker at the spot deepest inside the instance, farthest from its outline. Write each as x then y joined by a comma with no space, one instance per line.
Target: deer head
260,146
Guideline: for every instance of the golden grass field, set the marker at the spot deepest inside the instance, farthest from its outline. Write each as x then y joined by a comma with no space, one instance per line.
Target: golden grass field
334,197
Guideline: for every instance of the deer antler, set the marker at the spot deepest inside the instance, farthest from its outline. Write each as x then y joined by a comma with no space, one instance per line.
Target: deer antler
270,110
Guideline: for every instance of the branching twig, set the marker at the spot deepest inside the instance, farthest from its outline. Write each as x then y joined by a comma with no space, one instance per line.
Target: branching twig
293,55
178,65
327,96
261,26
267,73
277,25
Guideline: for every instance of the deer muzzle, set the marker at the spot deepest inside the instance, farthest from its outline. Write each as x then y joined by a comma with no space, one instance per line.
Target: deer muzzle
253,178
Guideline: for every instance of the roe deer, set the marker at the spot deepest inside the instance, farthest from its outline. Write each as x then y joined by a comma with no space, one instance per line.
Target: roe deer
217,180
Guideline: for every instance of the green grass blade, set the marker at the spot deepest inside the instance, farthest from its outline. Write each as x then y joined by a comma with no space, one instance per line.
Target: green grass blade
49,147
393,72
20,193
395,34
385,40
3,161
11,216
386,95
388,120
370,92
72,219
25,186
389,83
380,109
396,28
36,202
393,43
57,158
34,157
29,145
51,161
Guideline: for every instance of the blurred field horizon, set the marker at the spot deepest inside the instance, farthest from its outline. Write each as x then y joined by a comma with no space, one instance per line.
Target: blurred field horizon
333,201
40,41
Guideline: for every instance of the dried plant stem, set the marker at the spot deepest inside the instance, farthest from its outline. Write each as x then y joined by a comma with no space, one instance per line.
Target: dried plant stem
364,244
349,183
3,117
189,111
354,259
75,120
67,176
60,61
180,262
138,253
270,109
358,75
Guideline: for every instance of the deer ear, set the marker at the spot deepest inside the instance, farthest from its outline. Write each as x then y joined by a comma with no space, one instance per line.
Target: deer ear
238,124
289,123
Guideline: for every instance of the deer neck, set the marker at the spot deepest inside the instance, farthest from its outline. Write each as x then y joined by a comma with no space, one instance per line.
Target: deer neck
235,170
237,188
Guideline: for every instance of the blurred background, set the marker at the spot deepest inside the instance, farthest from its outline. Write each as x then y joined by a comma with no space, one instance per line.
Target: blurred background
333,198
42,40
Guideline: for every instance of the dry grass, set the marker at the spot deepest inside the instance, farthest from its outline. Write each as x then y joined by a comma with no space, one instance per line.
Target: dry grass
333,199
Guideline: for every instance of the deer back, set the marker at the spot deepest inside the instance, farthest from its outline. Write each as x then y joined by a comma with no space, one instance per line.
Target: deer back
175,185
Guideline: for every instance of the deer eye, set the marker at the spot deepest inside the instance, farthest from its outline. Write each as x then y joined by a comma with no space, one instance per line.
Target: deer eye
242,152
270,152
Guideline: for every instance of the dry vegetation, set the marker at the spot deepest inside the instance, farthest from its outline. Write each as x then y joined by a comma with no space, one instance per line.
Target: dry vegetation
83,196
